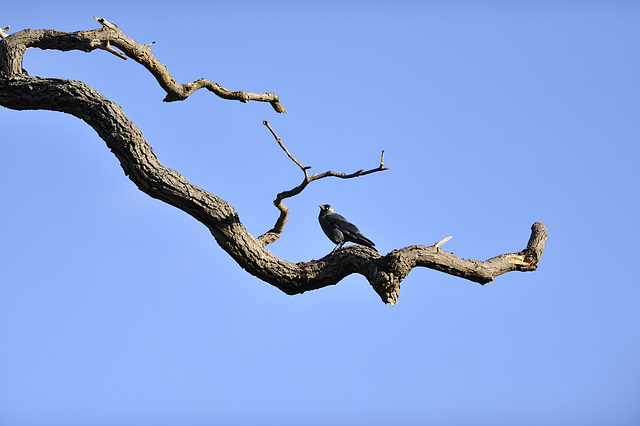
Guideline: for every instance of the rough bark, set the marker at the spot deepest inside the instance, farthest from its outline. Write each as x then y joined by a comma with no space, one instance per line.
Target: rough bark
20,91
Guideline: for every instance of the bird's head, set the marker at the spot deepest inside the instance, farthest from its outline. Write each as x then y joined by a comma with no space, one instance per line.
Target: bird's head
326,208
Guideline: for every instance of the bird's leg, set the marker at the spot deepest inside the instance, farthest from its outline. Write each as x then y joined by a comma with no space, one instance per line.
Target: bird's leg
337,247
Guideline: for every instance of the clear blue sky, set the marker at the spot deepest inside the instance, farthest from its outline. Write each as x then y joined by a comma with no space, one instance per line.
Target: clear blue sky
117,309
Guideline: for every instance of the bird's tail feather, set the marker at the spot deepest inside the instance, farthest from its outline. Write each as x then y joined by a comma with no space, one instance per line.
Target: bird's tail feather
365,241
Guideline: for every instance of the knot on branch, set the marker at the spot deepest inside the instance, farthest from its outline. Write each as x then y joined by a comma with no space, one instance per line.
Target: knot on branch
386,273
387,285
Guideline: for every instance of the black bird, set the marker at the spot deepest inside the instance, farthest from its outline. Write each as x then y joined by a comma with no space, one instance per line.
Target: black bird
340,230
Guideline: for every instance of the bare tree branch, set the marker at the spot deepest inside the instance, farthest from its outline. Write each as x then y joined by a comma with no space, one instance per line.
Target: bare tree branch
274,233
20,91
110,37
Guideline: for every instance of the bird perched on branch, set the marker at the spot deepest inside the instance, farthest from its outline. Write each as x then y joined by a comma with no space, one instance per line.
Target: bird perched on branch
340,230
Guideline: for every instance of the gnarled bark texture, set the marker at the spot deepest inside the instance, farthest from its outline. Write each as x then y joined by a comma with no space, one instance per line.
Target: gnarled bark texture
20,91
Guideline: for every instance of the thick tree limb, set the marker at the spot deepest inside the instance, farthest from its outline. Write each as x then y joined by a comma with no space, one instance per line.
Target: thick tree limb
21,92
275,232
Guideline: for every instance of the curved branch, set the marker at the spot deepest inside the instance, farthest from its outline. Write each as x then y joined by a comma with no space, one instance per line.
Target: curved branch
20,91
400,262
109,37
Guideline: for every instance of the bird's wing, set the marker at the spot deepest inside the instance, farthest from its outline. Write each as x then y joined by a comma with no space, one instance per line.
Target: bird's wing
339,222
347,230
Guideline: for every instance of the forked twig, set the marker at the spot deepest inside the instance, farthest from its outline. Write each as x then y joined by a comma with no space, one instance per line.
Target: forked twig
274,233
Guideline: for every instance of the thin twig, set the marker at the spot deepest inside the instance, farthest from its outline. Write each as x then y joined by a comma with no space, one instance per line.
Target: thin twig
274,233
304,168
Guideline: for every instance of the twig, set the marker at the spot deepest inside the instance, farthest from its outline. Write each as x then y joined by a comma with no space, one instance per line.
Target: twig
304,168
108,48
274,233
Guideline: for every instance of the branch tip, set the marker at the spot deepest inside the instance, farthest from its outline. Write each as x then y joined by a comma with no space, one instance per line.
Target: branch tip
106,24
